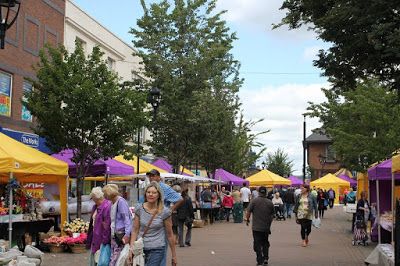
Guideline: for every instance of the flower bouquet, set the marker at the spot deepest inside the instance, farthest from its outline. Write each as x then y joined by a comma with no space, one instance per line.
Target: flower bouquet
76,226
77,244
3,211
56,243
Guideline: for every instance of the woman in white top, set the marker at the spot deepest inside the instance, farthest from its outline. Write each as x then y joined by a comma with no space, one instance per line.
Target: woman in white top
152,222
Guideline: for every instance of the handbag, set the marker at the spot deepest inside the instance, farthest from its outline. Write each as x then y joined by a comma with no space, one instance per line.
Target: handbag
118,236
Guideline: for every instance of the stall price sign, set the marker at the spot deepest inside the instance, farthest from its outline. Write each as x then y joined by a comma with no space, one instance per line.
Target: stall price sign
35,189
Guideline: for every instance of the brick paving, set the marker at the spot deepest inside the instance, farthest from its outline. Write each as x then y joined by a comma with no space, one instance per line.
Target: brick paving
231,244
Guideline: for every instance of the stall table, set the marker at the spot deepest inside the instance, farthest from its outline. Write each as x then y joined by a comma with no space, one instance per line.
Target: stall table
31,227
382,255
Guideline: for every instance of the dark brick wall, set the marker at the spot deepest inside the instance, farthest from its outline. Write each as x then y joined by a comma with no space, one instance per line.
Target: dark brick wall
314,150
39,22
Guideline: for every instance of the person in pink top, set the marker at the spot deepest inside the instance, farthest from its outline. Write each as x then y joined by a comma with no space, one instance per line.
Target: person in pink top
227,203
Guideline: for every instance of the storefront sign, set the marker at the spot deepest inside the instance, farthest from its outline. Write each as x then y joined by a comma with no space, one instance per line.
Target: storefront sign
29,139
5,94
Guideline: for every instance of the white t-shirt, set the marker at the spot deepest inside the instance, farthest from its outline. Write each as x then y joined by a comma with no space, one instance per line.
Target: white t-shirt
245,191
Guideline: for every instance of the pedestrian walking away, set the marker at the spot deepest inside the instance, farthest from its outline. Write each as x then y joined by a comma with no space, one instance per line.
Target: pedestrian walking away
332,197
289,202
121,221
305,207
152,226
227,203
262,210
321,203
245,195
185,218
237,210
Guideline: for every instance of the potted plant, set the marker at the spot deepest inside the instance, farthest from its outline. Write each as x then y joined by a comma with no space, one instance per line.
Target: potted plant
56,243
77,244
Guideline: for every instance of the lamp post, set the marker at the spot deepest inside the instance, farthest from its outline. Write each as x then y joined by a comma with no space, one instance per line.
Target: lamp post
263,165
304,149
322,161
5,24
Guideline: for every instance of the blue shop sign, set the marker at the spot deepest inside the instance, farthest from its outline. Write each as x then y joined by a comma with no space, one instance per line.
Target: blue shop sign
29,139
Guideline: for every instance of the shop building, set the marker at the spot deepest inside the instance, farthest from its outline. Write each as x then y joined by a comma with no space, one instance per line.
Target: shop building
39,22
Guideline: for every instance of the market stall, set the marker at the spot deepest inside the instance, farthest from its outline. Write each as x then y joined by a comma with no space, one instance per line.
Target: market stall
362,184
331,181
144,166
163,164
268,179
23,164
231,179
295,181
353,183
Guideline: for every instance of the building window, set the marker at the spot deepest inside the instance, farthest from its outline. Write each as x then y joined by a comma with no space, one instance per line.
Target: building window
110,63
330,154
81,42
25,114
5,93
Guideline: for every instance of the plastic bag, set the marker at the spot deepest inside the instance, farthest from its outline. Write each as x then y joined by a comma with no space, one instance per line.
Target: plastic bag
316,222
32,252
105,255
123,256
138,259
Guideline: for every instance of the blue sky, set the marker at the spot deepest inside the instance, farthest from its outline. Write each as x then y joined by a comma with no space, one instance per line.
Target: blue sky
265,54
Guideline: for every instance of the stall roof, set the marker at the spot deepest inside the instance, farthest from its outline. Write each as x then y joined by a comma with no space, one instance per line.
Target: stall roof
144,166
267,178
163,164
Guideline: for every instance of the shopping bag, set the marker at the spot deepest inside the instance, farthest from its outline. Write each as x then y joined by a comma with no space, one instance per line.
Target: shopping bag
123,256
316,222
105,255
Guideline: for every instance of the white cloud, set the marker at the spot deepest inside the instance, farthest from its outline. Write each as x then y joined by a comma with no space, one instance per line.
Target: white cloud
310,53
282,108
261,15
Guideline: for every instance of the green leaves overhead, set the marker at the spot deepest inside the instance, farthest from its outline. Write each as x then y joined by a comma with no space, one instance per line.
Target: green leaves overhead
279,163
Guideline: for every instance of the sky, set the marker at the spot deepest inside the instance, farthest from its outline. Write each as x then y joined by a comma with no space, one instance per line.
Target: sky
277,66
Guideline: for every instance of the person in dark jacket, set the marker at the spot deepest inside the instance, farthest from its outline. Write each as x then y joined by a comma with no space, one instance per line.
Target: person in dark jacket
185,216
262,210
289,202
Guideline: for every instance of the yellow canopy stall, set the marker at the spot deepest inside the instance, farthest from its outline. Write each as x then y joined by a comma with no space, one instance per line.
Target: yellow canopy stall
344,171
331,181
268,179
29,165
144,166
362,184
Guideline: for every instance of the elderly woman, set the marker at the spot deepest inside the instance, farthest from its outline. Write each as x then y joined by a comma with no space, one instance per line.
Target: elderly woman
152,222
99,227
121,221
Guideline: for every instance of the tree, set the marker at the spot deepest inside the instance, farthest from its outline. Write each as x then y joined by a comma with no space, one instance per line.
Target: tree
279,163
364,38
185,49
363,123
79,105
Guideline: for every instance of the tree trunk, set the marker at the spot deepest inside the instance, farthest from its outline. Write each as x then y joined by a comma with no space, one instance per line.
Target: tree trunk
79,197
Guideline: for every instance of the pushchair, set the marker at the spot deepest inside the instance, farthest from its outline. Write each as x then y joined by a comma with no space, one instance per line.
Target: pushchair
279,214
360,236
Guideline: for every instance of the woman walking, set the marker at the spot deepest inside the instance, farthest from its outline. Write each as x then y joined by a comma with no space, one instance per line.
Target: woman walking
185,217
305,208
237,210
227,204
321,203
152,222
121,221
99,227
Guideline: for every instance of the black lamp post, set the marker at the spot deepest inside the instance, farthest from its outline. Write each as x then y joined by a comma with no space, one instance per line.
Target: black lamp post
5,24
154,98
322,161
263,165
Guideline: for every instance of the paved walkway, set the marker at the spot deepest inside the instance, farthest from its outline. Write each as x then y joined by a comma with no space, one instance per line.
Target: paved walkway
231,244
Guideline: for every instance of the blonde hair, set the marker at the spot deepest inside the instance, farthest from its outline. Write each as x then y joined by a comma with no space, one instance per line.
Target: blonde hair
160,202
110,191
97,193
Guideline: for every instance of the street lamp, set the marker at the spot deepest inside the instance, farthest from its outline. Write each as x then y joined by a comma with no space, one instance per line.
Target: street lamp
263,164
5,6
322,161
154,98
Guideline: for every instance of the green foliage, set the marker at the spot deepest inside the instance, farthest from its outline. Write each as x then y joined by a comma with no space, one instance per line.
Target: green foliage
363,123
279,163
79,105
364,38
185,47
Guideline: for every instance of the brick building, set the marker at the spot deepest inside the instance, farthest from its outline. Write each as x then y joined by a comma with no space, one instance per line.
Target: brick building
38,22
321,157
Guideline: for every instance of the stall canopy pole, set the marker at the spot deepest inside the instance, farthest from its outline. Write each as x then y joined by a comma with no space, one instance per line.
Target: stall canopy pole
393,207
378,216
10,209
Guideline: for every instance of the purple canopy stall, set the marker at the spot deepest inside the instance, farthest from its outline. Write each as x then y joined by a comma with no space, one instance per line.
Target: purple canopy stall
163,164
381,189
295,181
100,167
353,183
223,175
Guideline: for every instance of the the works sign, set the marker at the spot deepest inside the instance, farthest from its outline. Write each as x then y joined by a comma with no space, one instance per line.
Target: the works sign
29,139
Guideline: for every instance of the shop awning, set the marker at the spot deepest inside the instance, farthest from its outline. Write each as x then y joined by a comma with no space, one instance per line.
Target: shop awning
396,163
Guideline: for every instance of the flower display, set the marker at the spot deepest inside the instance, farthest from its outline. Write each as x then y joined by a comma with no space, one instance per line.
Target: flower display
81,239
3,211
56,240
76,226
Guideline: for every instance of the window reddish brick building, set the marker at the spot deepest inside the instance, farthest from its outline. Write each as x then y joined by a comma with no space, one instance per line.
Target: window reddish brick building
321,157
38,22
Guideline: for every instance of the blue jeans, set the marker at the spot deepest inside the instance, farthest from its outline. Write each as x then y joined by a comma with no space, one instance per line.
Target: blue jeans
289,209
153,257
165,252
